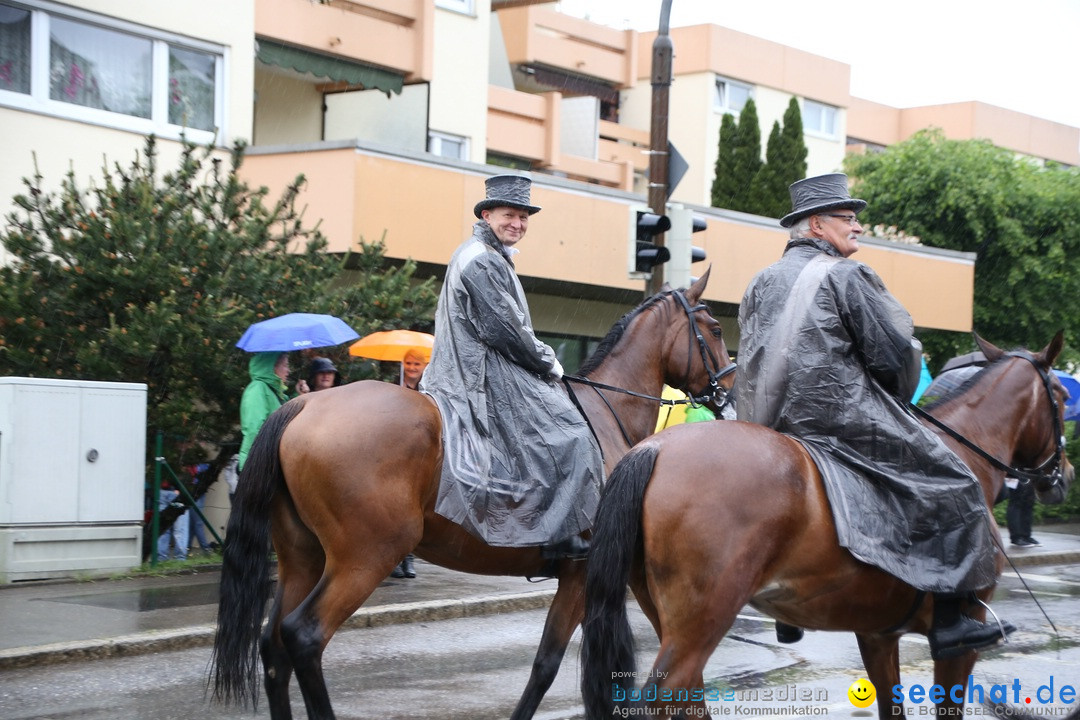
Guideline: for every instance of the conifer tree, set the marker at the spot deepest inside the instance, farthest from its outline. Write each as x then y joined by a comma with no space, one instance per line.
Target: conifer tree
743,159
785,162
723,186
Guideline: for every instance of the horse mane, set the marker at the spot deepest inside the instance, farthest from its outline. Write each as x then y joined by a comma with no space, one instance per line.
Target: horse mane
973,380
615,334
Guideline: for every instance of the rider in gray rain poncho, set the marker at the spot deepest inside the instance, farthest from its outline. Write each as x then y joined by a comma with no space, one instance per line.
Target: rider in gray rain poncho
827,355
520,465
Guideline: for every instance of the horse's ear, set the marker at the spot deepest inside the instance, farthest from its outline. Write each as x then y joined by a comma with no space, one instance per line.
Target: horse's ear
990,350
1052,350
694,293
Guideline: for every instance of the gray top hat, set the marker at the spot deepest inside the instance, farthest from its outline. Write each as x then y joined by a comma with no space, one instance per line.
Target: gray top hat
815,195
506,191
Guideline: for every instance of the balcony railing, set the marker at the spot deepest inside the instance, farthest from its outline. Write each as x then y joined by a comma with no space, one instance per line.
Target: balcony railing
528,126
538,35
392,34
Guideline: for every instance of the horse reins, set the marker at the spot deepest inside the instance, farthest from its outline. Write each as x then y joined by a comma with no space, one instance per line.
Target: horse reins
708,359
1037,473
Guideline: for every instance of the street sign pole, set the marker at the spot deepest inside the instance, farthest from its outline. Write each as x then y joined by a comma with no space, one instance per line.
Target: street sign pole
658,131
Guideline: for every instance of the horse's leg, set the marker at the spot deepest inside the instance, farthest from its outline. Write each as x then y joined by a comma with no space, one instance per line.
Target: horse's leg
300,565
694,619
881,658
564,616
949,674
306,631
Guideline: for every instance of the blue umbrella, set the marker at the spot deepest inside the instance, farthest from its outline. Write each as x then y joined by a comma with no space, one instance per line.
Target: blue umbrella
1072,386
296,331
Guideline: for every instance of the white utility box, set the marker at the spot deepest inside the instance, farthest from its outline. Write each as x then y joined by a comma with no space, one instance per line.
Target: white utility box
72,467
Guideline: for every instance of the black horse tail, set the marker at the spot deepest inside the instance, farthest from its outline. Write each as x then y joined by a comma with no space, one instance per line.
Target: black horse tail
245,566
607,648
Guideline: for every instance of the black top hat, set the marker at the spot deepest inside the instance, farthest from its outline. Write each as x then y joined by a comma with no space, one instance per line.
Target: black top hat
506,191
814,195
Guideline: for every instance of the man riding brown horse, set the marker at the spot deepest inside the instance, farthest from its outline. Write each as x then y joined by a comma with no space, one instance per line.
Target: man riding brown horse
520,465
827,355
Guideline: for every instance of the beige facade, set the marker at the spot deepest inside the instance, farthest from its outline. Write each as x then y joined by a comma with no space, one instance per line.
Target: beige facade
396,111
1030,136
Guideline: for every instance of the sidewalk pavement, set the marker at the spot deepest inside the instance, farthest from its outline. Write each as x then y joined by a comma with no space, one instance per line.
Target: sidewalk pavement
57,621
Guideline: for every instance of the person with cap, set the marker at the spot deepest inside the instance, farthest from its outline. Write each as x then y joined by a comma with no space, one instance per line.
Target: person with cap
827,355
520,465
322,374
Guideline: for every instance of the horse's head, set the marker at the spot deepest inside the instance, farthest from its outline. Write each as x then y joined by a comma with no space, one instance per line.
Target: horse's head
697,361
1040,448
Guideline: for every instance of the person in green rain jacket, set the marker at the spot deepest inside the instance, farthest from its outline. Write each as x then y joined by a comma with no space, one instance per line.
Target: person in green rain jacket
262,396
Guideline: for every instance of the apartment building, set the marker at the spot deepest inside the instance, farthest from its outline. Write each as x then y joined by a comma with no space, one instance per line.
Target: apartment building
397,110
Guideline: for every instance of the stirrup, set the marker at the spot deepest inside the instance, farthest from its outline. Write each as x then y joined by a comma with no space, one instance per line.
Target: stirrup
1000,624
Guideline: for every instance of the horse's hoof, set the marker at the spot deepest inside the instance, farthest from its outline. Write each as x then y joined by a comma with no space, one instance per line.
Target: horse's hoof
788,634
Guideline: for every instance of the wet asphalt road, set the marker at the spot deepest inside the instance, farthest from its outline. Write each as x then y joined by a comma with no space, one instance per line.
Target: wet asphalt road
475,668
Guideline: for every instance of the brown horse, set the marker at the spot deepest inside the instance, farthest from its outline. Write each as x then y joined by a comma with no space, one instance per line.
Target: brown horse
345,480
702,519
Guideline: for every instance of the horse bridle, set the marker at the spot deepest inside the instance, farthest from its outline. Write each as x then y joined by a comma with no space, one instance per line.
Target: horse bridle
708,359
1050,469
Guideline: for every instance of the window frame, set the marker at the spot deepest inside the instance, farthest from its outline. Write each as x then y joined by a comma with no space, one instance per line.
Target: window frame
724,109
38,100
823,110
465,7
436,137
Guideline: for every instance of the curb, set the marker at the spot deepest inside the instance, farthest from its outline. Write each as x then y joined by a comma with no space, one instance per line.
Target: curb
203,635
1064,557
366,617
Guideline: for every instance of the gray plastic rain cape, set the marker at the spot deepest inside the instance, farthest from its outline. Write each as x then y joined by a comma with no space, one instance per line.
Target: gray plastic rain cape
827,355
520,465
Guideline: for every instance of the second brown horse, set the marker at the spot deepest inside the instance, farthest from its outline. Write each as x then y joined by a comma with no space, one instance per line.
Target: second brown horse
703,519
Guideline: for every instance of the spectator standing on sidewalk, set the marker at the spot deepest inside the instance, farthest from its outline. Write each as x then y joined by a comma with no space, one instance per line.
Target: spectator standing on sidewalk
1019,512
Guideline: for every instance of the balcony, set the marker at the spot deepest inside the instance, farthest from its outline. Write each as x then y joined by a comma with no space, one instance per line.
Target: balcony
394,35
535,35
530,126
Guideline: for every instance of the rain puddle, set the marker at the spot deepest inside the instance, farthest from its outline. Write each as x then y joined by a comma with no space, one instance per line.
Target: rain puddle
148,599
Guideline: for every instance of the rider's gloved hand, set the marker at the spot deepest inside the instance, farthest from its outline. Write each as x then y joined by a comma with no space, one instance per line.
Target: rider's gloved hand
555,373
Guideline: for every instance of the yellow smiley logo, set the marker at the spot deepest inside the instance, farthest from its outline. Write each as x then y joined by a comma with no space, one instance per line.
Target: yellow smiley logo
861,693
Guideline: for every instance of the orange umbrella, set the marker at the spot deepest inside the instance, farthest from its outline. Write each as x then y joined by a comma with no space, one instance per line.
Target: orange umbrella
392,345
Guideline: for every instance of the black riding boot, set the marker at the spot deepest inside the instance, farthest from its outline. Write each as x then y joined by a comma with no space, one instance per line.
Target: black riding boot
953,633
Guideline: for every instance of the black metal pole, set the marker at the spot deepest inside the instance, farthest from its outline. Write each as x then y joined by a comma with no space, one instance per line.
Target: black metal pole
658,131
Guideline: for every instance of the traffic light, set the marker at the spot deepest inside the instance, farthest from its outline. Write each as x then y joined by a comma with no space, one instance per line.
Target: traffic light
683,224
697,225
645,252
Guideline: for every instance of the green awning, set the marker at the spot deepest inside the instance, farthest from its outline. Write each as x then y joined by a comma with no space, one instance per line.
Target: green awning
326,66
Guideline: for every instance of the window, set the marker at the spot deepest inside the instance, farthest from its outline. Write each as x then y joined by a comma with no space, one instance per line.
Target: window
819,119
731,96
14,49
92,69
451,146
461,6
